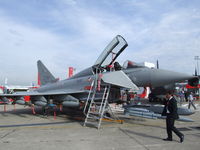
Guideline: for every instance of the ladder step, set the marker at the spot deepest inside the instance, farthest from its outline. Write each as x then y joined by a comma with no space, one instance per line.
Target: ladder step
93,117
95,124
94,113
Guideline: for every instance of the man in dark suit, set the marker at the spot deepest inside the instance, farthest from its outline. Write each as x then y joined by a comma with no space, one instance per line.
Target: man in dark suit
170,111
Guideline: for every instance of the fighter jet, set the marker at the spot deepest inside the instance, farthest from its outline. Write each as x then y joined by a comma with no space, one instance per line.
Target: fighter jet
70,92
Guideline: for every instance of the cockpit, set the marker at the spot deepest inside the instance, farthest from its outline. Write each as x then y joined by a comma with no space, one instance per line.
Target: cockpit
107,58
130,64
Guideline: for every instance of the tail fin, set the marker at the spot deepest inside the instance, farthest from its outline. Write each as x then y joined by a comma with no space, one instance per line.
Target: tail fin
44,75
195,72
157,64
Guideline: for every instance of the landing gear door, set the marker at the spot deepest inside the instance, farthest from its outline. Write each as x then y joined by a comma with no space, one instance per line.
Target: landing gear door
111,52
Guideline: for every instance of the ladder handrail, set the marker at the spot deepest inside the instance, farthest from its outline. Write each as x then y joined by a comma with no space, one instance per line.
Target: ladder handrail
84,110
104,103
93,88
104,94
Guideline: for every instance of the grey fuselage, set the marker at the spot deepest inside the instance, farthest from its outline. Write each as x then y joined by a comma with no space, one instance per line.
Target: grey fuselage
140,76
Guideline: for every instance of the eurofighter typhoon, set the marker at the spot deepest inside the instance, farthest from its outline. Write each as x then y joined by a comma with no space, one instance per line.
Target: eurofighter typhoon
105,71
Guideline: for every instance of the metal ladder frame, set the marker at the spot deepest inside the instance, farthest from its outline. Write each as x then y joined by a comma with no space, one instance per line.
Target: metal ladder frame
104,103
97,116
91,97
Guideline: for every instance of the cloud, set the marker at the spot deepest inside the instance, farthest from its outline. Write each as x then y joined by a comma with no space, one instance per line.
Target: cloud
22,46
174,41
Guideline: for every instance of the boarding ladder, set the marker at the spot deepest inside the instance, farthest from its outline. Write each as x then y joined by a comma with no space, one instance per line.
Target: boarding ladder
93,110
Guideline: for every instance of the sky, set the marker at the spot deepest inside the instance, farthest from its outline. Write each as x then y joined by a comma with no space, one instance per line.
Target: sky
64,33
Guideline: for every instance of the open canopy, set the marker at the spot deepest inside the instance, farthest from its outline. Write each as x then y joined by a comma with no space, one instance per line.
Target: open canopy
111,52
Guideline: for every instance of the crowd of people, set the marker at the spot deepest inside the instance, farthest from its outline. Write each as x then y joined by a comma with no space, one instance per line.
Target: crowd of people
185,96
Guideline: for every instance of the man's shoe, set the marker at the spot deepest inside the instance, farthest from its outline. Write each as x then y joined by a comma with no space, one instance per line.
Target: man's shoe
167,139
182,139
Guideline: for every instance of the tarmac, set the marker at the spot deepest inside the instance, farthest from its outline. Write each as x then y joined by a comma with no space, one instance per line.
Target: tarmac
21,130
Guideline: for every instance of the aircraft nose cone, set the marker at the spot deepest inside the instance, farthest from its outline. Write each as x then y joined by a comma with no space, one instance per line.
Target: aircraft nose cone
160,77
